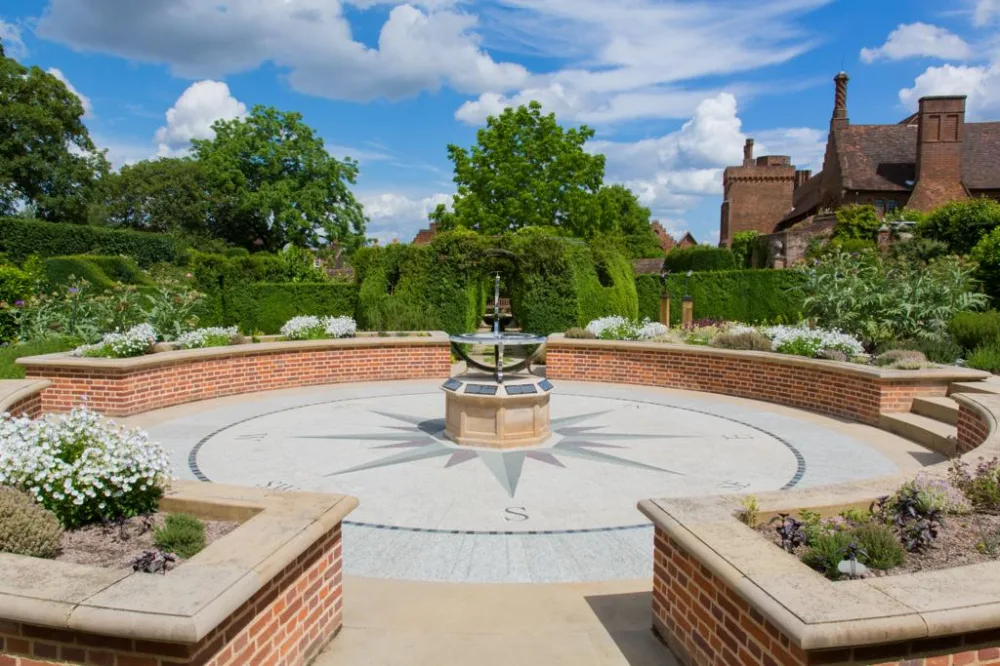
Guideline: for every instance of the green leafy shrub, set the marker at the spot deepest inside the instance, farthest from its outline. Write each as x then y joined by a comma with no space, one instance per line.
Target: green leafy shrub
748,340
961,224
579,333
895,356
122,269
181,534
62,271
265,307
15,284
973,329
701,258
936,349
27,528
880,300
752,296
857,222
21,238
879,545
981,484
743,246
827,549
985,357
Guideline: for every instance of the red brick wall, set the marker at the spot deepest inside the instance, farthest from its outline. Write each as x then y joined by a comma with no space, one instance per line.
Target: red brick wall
30,406
121,393
756,199
973,429
286,623
706,623
748,376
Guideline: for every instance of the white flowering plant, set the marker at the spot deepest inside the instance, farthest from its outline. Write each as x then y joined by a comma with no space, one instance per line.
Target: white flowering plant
136,341
311,327
82,468
804,341
212,336
616,327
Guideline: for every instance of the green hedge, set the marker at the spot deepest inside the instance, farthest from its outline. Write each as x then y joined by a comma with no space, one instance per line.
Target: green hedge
22,238
561,283
265,307
751,296
700,258
10,370
101,272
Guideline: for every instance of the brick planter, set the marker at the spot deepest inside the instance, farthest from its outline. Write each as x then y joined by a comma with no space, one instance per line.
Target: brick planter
723,594
268,593
121,387
857,392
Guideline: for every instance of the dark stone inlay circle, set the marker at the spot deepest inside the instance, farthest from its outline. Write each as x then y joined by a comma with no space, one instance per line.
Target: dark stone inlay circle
198,474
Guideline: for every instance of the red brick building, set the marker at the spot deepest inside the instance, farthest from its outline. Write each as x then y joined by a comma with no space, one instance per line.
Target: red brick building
924,161
668,242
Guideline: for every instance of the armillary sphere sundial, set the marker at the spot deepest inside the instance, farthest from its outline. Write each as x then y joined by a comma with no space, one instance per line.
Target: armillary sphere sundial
481,409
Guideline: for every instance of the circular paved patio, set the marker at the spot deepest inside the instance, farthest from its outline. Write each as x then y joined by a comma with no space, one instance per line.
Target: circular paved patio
561,512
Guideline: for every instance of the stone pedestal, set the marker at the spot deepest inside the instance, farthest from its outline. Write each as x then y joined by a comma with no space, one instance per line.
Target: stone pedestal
665,310
480,412
687,312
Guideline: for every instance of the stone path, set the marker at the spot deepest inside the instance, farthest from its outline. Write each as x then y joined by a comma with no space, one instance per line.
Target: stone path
396,623
561,513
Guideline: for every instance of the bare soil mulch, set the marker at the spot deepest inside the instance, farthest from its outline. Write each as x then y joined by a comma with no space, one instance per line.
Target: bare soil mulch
116,547
958,544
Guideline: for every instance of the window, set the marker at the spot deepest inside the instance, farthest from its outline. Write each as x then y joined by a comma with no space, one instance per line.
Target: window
891,205
880,206
316,262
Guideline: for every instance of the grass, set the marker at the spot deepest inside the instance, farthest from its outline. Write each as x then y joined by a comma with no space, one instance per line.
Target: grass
10,370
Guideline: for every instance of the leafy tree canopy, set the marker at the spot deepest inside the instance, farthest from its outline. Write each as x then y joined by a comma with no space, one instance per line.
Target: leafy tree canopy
527,171
163,195
271,178
961,224
857,222
47,161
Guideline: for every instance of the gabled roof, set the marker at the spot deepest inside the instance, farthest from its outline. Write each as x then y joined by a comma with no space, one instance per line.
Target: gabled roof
981,156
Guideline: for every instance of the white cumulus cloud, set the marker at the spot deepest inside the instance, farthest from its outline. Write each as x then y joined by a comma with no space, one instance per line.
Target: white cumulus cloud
396,216
981,84
919,40
10,35
192,115
88,108
985,12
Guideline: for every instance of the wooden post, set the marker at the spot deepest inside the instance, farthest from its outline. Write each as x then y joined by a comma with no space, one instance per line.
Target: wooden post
665,310
687,312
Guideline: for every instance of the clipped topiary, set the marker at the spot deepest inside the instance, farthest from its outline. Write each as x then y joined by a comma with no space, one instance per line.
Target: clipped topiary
579,333
182,535
27,528
746,340
896,356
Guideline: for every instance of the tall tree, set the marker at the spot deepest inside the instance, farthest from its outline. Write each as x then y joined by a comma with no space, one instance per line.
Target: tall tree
47,160
155,195
271,179
525,170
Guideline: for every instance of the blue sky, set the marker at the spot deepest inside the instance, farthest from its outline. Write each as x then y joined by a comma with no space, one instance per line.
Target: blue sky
671,87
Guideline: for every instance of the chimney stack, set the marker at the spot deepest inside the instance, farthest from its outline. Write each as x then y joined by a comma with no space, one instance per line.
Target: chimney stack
840,119
801,176
940,132
748,153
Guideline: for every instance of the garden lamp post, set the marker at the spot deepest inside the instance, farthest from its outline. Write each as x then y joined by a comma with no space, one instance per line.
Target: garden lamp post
687,303
664,299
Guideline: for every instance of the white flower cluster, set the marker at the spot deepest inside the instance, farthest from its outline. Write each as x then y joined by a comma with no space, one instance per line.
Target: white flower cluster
824,339
81,467
212,336
616,327
134,342
310,327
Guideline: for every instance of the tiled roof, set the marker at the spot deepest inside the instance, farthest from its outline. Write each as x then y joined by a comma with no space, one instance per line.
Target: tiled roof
806,197
883,157
647,266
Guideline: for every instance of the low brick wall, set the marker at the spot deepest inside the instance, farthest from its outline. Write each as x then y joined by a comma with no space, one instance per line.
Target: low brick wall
286,624
859,393
22,397
706,623
974,423
121,387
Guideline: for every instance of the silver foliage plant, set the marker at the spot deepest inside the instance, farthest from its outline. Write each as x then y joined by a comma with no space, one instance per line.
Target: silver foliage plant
881,300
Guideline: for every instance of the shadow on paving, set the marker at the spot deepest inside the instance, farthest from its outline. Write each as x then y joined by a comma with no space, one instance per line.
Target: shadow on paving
627,619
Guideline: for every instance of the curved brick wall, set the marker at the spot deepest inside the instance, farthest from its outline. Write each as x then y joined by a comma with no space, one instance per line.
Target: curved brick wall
121,387
856,392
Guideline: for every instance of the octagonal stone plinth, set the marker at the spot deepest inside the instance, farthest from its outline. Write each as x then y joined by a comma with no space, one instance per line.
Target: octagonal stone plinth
481,412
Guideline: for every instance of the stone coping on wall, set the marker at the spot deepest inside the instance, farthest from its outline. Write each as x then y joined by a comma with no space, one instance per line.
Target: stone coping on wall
14,392
938,374
189,602
816,613
178,357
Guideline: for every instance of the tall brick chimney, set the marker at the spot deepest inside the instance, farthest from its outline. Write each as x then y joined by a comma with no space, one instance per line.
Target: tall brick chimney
801,176
840,118
941,129
748,153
